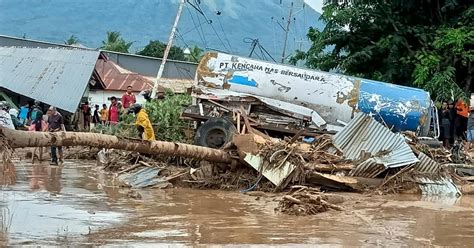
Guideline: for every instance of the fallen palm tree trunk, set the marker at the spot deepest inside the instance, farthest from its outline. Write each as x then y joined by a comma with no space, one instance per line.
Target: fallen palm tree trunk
19,139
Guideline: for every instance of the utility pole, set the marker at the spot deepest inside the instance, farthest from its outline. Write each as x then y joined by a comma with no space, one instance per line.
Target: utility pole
287,30
167,50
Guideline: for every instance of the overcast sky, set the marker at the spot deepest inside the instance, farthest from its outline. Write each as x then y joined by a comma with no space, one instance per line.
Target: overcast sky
315,4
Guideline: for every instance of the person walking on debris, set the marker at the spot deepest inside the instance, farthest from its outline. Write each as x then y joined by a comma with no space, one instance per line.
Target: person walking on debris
55,124
446,124
113,112
95,117
128,99
143,122
104,114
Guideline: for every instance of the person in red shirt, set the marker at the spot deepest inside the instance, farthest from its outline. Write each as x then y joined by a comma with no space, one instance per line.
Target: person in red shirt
113,111
128,99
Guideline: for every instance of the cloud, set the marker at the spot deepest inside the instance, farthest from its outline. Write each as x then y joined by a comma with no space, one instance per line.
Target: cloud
229,7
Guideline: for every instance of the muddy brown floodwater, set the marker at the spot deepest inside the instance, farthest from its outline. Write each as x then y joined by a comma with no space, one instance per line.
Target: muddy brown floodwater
77,204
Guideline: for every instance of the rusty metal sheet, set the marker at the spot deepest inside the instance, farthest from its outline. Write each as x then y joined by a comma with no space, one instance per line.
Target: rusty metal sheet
55,76
363,135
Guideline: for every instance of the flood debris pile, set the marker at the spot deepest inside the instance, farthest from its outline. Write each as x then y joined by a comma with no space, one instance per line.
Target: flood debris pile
303,200
365,156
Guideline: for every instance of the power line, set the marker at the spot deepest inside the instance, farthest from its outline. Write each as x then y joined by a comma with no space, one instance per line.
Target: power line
197,7
222,28
201,35
180,36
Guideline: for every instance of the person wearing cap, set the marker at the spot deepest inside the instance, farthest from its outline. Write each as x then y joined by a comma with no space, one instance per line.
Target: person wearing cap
142,122
55,124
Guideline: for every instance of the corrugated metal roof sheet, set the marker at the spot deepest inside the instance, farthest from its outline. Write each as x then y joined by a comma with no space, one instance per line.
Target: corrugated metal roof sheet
442,187
363,134
118,78
54,76
369,168
426,164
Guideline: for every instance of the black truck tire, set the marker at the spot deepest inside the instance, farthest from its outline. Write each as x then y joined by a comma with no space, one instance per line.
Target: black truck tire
215,133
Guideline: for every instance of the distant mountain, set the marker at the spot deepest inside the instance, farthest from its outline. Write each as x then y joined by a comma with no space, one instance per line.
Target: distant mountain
141,21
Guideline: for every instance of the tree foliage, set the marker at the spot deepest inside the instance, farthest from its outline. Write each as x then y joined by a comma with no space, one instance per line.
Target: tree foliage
114,42
157,48
425,43
196,54
165,116
72,40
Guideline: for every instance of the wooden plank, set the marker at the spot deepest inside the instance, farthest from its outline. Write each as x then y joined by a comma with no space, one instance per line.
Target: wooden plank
220,105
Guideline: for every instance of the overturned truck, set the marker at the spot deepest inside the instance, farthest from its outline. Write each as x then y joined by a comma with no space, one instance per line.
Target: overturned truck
232,92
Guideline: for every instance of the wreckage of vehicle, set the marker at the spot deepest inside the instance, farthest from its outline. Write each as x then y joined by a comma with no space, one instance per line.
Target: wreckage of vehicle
282,100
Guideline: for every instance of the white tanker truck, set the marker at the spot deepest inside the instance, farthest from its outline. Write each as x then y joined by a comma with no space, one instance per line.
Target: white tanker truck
282,100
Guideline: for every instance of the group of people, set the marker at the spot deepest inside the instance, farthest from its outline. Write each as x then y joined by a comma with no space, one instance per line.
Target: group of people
112,115
456,122
107,115
33,117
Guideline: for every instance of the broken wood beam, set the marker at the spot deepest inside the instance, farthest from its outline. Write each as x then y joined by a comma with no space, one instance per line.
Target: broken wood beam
20,139
329,167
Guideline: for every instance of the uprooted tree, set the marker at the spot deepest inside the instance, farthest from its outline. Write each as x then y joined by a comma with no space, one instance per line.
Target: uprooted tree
426,44
19,139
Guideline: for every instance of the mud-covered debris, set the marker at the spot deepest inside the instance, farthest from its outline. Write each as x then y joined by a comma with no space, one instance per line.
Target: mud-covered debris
134,194
305,201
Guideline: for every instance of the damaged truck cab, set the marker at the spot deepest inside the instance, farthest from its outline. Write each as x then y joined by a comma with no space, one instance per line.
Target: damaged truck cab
285,99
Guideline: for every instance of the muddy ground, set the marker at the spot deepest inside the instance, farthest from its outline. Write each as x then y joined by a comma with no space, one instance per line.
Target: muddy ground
79,204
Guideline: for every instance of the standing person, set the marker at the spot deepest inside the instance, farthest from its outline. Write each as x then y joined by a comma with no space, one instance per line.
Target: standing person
113,111
462,114
143,123
34,109
23,115
95,117
470,128
104,114
86,111
452,118
446,124
128,99
38,125
55,124
5,117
